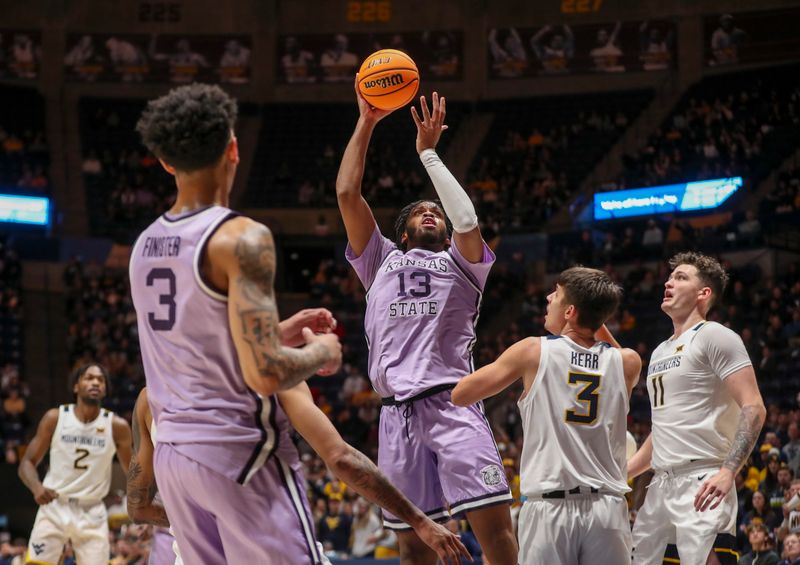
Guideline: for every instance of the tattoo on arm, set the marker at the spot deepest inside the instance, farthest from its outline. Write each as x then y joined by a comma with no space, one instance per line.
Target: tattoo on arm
140,497
255,252
358,471
745,439
136,434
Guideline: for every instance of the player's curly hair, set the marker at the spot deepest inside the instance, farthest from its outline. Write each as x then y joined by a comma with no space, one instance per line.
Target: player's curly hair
189,127
710,272
402,220
592,292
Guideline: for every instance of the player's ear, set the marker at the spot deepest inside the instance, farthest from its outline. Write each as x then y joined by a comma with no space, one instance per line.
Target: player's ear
169,168
232,151
571,312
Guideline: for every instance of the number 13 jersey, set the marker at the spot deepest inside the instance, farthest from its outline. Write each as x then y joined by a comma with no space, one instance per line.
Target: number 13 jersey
574,419
195,384
422,307
694,417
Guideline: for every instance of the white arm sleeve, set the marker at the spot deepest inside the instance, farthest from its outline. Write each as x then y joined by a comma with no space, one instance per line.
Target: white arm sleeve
456,202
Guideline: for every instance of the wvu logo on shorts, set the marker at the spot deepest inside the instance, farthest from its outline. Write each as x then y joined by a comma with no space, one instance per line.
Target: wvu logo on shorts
38,547
679,349
491,475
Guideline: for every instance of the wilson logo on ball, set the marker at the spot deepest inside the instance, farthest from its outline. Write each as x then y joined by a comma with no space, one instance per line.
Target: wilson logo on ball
384,82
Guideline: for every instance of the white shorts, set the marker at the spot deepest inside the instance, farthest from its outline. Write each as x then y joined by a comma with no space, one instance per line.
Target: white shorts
668,516
579,529
57,522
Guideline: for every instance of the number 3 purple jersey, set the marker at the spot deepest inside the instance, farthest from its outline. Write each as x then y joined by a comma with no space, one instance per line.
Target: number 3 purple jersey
422,308
195,385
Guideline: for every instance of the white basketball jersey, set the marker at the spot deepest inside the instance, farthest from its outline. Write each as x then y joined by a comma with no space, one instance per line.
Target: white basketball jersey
81,455
694,417
574,420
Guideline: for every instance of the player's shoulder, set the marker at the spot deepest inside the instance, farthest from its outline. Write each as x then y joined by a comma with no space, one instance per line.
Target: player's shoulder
237,235
713,331
53,413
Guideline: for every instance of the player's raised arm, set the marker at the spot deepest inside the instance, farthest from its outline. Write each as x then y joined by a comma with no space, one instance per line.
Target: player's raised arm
519,360
141,486
358,472
34,455
356,213
455,201
244,251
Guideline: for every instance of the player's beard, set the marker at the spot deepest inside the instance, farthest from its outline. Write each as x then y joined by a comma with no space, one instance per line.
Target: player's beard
426,239
86,399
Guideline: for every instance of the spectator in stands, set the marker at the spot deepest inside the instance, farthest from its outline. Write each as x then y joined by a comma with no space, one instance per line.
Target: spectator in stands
761,552
791,550
365,529
333,531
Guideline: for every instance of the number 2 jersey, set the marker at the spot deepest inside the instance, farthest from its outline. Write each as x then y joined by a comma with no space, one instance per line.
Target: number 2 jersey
81,456
422,307
694,416
195,385
574,420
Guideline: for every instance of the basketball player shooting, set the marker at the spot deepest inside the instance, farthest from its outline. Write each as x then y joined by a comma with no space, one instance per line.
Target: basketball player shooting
707,414
82,438
574,406
425,290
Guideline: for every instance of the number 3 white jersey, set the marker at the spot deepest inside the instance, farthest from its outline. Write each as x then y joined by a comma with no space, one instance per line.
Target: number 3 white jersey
574,420
694,417
81,455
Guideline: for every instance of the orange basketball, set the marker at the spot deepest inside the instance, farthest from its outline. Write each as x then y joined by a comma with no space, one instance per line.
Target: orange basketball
388,79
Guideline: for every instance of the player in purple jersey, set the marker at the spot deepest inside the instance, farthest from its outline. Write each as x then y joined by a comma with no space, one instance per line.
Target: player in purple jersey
352,466
215,355
214,351
424,293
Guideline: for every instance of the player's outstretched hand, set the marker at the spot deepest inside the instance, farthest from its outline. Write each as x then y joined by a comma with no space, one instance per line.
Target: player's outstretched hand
714,490
431,126
368,112
318,320
45,495
444,542
331,343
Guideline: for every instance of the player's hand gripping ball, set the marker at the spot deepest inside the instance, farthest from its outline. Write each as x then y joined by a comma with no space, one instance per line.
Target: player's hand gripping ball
388,79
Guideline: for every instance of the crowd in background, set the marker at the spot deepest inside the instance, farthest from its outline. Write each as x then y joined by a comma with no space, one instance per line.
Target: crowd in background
14,419
725,127
24,160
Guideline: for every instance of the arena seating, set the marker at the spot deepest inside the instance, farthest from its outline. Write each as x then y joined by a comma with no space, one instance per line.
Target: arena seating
24,155
300,147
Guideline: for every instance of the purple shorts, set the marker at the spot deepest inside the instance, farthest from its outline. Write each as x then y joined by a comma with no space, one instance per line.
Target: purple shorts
217,520
161,552
442,457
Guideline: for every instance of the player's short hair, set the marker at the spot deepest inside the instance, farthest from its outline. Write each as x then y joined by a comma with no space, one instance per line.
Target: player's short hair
592,292
402,220
189,127
709,271
78,373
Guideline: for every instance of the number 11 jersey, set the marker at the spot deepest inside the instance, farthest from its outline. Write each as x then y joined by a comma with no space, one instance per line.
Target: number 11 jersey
694,416
195,384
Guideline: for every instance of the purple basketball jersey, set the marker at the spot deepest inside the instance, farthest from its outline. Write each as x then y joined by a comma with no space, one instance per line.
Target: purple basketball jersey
422,308
195,385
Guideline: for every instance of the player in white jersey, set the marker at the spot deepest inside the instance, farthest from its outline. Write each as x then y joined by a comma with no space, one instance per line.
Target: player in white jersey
82,438
574,407
707,413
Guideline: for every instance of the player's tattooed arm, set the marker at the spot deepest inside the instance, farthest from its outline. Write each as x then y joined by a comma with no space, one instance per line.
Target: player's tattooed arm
255,322
747,432
141,483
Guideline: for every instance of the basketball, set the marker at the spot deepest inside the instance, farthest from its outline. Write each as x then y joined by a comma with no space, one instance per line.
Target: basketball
388,79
